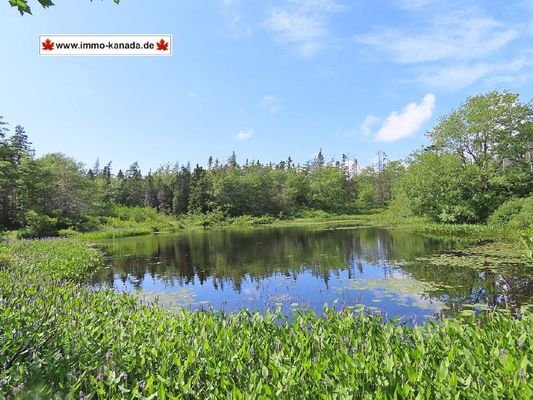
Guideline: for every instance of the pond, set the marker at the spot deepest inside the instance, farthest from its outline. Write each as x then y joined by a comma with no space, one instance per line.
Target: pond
399,273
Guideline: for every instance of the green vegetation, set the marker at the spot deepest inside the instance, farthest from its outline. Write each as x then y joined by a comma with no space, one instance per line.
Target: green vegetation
478,168
59,337
480,157
62,339
55,194
24,8
515,214
126,221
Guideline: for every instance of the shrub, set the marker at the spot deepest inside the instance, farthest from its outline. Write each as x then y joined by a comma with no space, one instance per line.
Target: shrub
514,213
137,214
213,218
527,241
457,214
38,226
505,212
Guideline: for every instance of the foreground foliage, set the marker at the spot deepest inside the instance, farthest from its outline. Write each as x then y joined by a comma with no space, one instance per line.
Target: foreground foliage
60,338
24,8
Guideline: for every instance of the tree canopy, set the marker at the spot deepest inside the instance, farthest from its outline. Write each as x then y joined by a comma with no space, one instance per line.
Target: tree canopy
481,155
56,189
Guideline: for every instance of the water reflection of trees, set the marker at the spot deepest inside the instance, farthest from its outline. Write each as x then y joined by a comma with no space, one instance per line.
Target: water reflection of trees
228,258
457,285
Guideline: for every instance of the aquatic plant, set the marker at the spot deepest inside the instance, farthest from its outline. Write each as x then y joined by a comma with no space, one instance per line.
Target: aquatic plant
61,338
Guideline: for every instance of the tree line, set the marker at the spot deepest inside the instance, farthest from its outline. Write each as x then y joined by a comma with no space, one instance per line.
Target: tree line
59,187
480,156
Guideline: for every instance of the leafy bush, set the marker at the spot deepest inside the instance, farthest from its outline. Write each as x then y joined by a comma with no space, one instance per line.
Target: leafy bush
38,226
514,213
214,218
505,212
313,214
527,241
456,214
248,220
136,214
88,223
439,187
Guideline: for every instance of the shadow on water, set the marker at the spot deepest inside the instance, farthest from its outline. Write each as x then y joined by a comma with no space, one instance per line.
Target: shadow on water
392,271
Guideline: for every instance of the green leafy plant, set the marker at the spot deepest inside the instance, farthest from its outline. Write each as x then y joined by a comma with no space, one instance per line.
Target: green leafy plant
527,241
39,226
24,8
60,338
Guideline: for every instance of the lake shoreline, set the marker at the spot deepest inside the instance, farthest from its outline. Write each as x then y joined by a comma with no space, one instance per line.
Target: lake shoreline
69,339
383,220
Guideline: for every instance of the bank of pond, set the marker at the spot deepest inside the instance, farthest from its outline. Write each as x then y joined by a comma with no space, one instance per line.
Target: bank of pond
80,320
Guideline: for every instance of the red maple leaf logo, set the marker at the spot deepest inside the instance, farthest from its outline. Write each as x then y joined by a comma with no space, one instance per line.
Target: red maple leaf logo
48,45
162,45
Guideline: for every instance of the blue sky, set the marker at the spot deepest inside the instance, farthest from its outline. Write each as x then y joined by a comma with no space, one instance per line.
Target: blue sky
267,79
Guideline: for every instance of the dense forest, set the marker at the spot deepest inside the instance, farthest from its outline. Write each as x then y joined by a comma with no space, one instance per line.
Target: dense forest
480,156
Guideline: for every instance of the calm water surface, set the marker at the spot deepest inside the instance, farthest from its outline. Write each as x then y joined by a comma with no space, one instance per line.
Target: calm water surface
296,268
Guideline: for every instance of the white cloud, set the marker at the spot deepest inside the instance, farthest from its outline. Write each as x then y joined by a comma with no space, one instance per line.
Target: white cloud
244,134
303,23
406,123
458,36
459,76
455,44
271,103
367,124
303,30
415,4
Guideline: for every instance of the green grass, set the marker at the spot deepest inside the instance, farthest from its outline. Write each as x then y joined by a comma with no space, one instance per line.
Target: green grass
128,221
61,339
138,221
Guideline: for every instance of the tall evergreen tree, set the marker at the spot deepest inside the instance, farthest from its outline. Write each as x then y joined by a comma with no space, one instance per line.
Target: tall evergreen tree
150,196
134,186
232,161
199,197
180,204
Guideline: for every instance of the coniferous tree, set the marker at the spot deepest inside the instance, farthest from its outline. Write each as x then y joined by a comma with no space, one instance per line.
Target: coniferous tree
199,197
232,161
319,161
290,163
96,168
180,203
120,195
134,186
150,196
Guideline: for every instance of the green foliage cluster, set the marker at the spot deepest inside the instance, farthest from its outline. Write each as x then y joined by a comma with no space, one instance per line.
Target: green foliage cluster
514,214
125,221
54,193
38,226
527,241
480,156
60,338
24,8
